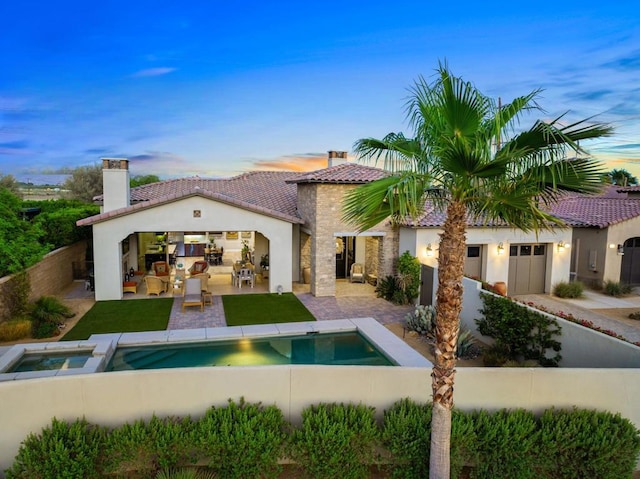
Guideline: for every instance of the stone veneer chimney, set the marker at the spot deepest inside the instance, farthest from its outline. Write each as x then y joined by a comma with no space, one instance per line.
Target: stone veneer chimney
336,158
115,184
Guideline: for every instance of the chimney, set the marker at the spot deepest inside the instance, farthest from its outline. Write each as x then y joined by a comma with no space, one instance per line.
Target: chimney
336,158
115,184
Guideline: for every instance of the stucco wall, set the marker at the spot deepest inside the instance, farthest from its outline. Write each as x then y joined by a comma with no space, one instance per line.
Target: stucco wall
496,266
115,398
51,275
179,216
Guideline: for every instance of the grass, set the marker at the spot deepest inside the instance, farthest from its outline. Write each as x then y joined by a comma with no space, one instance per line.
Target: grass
245,309
121,317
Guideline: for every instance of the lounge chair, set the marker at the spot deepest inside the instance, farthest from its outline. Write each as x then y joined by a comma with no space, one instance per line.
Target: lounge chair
198,267
161,268
193,293
155,285
357,273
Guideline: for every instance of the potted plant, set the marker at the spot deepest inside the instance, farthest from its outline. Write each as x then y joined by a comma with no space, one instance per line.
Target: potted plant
264,262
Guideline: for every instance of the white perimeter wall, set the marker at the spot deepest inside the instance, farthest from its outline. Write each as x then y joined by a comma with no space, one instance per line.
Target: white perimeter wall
178,216
115,398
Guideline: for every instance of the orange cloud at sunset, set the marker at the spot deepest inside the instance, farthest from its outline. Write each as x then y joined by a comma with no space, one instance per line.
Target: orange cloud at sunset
305,162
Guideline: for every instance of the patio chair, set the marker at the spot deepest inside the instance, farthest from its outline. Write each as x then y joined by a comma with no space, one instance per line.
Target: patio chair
245,274
161,268
192,293
155,285
204,281
198,267
357,273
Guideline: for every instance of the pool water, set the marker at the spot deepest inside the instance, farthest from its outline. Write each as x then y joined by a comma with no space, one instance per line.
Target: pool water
349,348
51,361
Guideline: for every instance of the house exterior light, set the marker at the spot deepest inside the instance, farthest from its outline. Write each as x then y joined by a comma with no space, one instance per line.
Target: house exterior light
500,248
429,250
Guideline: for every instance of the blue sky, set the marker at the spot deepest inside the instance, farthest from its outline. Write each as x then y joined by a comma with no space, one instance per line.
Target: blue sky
216,88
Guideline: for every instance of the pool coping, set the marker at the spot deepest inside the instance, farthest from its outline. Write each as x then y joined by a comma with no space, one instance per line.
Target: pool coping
102,346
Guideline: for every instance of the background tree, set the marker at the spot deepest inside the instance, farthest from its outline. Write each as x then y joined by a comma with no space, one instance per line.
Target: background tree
467,160
139,180
9,182
84,183
620,177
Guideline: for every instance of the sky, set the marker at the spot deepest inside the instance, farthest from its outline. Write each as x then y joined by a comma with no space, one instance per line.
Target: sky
215,88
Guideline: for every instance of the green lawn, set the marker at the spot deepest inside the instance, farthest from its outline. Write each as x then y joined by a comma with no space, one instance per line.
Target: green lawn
243,309
122,316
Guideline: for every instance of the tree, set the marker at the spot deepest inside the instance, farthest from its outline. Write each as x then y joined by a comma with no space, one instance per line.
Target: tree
620,177
139,180
9,182
84,183
467,160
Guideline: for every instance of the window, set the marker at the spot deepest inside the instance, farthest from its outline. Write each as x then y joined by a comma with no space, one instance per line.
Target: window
538,250
473,251
525,250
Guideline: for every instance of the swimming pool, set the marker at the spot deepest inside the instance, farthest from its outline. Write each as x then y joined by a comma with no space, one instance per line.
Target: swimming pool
51,361
343,348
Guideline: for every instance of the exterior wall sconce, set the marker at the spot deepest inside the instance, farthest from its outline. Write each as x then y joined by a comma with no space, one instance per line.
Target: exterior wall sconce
561,246
429,250
620,250
612,246
500,248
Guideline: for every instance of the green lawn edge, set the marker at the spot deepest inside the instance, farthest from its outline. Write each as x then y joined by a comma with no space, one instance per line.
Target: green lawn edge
268,308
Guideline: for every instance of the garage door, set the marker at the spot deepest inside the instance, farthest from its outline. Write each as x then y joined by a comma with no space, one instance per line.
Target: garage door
527,268
630,272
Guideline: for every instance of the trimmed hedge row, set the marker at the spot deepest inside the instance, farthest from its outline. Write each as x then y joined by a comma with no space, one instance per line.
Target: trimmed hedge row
338,441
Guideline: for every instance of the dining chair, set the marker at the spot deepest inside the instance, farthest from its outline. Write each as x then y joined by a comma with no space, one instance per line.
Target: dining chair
245,274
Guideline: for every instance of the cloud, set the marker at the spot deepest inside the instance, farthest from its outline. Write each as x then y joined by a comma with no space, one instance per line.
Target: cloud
625,63
12,148
97,151
153,72
588,95
299,162
628,146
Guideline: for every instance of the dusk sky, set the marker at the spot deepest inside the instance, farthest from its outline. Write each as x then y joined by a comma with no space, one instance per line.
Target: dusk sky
217,88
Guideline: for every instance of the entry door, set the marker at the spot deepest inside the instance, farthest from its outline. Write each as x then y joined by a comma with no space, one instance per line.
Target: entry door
345,255
630,271
527,268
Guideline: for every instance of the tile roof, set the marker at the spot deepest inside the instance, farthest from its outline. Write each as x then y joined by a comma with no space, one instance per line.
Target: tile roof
608,208
345,173
273,193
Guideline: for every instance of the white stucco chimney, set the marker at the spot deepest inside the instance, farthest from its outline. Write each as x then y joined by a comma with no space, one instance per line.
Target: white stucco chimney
115,183
336,158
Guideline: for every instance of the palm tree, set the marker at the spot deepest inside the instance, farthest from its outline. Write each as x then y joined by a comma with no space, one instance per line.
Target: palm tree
620,177
467,159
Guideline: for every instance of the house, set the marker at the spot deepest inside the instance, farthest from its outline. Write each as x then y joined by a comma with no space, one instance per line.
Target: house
295,218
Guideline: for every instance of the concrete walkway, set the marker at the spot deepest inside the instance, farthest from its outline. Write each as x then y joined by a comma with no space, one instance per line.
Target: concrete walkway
592,307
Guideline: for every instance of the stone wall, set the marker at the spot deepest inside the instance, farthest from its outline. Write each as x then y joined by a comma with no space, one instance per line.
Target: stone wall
50,276
320,205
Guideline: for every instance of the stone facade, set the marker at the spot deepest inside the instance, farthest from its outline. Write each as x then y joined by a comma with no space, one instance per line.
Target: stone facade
320,205
51,275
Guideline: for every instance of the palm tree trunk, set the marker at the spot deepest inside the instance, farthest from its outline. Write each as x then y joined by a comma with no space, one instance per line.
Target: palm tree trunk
449,306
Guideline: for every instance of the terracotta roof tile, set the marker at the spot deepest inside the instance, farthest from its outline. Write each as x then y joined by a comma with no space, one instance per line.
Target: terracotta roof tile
349,173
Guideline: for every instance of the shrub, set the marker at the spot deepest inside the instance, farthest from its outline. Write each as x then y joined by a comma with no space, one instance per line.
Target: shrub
519,332
582,443
409,274
14,330
15,295
506,444
336,440
186,473
616,288
46,314
60,451
422,320
128,447
387,287
565,289
635,315
242,440
466,342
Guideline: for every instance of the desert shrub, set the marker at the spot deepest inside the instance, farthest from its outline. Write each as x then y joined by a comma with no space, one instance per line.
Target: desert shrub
583,443
185,473
566,289
409,275
15,295
128,447
422,320
387,287
335,440
14,330
46,314
506,444
242,440
407,435
616,288
635,315
62,450
519,332
466,342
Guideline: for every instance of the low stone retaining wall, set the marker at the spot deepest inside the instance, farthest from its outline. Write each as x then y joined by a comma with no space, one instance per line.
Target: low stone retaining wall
50,276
